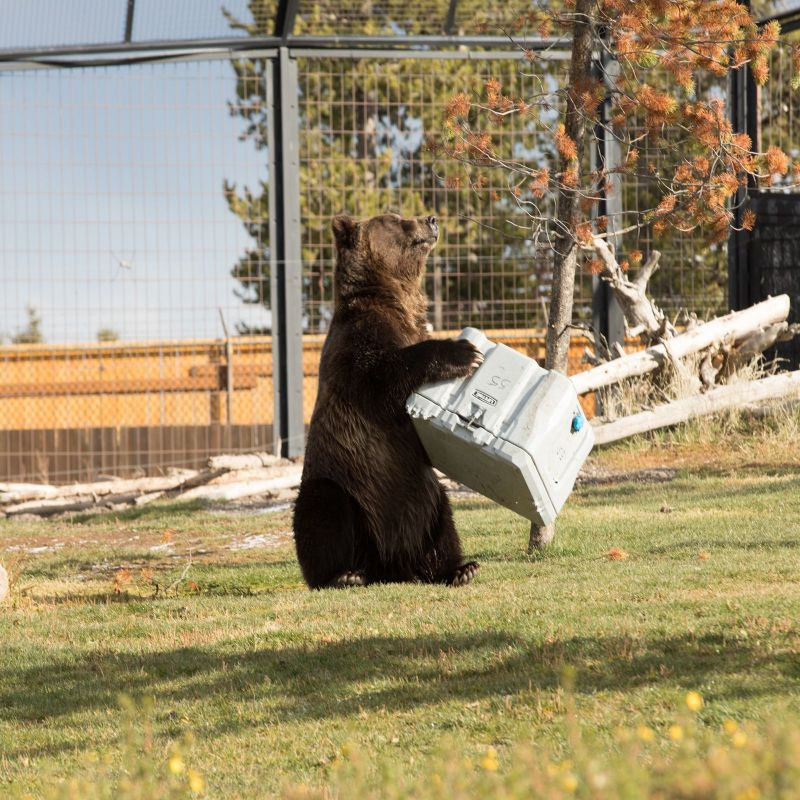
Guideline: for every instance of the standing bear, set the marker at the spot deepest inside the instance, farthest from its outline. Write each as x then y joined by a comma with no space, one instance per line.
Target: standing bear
370,508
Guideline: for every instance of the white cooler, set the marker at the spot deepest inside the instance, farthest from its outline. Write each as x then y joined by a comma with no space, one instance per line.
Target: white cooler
513,431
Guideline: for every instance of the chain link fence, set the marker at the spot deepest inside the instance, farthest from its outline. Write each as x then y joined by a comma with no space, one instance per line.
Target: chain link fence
142,225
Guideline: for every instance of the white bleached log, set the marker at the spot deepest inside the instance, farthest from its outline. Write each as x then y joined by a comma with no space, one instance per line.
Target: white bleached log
33,492
234,491
227,478
11,492
243,461
642,316
79,497
730,328
63,505
144,499
785,384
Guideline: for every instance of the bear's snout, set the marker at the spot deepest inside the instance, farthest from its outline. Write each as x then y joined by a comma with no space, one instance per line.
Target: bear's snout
433,227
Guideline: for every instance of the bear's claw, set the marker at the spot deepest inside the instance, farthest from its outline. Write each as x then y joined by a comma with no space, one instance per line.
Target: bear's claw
347,579
462,358
464,574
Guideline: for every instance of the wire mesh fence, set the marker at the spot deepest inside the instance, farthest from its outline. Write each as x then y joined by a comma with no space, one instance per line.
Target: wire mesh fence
779,104
136,325
693,273
117,246
370,128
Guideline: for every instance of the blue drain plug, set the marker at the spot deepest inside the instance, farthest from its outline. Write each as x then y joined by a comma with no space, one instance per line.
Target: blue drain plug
578,422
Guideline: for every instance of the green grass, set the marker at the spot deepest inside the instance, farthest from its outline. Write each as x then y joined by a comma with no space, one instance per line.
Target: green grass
273,681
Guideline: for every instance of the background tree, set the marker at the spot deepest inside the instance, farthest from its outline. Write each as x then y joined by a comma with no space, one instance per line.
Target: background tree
370,132
32,332
635,71
107,335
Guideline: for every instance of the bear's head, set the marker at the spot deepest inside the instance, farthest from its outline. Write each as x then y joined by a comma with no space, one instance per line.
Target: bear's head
387,251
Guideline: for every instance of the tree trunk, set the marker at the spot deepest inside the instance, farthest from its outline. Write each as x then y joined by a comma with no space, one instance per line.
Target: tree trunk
565,256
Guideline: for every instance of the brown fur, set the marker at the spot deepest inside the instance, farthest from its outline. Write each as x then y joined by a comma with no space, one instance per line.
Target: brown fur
370,507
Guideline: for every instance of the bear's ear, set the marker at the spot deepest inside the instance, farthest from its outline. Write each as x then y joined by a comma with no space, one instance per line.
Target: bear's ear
345,230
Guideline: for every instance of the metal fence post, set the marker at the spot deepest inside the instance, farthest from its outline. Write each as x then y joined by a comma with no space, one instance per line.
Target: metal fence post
743,95
607,317
285,254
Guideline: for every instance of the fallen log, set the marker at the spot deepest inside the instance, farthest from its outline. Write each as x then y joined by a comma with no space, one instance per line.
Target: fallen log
730,328
242,475
32,492
227,477
63,505
79,497
11,492
234,491
244,461
786,384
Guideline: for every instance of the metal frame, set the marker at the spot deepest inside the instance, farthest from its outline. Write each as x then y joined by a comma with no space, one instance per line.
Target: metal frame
395,46
129,20
607,317
282,36
286,280
744,101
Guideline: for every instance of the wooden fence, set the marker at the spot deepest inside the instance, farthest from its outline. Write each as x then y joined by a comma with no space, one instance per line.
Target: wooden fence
76,412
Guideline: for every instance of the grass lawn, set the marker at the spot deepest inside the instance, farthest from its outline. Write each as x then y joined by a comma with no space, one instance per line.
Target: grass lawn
261,685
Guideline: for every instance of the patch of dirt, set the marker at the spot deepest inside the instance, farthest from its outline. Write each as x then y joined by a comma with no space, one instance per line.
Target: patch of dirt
258,504
261,540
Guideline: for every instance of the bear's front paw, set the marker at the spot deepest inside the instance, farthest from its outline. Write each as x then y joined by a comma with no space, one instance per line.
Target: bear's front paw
347,579
464,574
460,358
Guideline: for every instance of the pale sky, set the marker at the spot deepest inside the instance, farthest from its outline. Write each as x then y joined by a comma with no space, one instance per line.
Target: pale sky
111,205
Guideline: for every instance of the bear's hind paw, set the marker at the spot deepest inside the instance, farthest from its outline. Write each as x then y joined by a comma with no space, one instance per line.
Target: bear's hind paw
464,574
347,579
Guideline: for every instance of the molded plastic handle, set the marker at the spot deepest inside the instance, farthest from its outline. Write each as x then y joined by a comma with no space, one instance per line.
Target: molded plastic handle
478,338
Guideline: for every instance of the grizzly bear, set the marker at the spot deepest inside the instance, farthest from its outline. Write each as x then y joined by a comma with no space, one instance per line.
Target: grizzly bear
370,508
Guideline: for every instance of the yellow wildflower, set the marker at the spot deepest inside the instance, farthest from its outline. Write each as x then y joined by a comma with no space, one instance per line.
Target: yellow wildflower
176,765
196,782
569,783
489,761
694,701
675,732
753,793
739,739
644,733
730,726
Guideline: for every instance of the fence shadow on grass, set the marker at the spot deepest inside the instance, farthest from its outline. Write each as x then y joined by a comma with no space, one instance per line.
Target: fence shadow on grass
315,681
